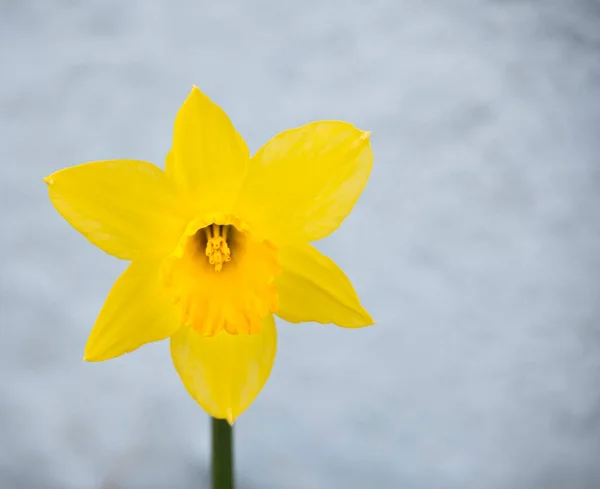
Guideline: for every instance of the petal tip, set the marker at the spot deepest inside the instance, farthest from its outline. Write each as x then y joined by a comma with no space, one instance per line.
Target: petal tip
195,90
49,180
362,319
230,418
92,354
364,322
368,318
87,357
365,136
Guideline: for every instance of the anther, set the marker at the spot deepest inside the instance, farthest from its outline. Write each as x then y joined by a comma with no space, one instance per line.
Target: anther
217,250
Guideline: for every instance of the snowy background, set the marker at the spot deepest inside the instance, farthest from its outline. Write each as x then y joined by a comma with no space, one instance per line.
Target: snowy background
476,245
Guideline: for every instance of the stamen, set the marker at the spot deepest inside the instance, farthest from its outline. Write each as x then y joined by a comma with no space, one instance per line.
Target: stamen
217,250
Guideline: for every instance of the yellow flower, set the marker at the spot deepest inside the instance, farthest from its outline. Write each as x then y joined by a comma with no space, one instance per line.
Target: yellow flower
218,243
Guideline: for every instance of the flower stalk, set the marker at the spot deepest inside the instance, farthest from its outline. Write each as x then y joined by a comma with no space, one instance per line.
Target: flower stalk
222,454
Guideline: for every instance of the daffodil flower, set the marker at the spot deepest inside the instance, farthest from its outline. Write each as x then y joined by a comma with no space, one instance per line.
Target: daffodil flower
219,242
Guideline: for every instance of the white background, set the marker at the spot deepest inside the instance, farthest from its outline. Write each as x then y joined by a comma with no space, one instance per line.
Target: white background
476,245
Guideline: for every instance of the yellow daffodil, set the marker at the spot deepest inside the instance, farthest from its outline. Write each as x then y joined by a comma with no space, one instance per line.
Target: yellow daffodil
218,243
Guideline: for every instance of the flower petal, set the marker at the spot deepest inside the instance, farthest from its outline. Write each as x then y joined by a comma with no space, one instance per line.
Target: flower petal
209,157
127,208
138,310
224,373
305,181
312,287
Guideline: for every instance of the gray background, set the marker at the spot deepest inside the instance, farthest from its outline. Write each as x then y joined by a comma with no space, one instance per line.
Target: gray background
476,245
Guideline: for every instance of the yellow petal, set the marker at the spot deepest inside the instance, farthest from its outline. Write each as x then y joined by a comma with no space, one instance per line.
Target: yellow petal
169,163
312,287
127,208
224,373
138,310
209,157
305,181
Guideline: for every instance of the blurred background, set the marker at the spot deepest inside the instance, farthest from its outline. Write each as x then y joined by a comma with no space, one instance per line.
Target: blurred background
476,245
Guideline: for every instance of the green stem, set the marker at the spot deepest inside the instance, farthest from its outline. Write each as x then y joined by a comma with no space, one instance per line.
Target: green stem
222,454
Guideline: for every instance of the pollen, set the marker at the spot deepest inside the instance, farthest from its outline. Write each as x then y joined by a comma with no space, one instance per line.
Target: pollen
217,249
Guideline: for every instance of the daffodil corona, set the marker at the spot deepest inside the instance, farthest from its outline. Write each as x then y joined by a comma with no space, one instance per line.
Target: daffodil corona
219,242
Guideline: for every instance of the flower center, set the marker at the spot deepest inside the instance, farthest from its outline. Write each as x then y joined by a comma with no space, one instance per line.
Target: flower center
240,295
217,250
